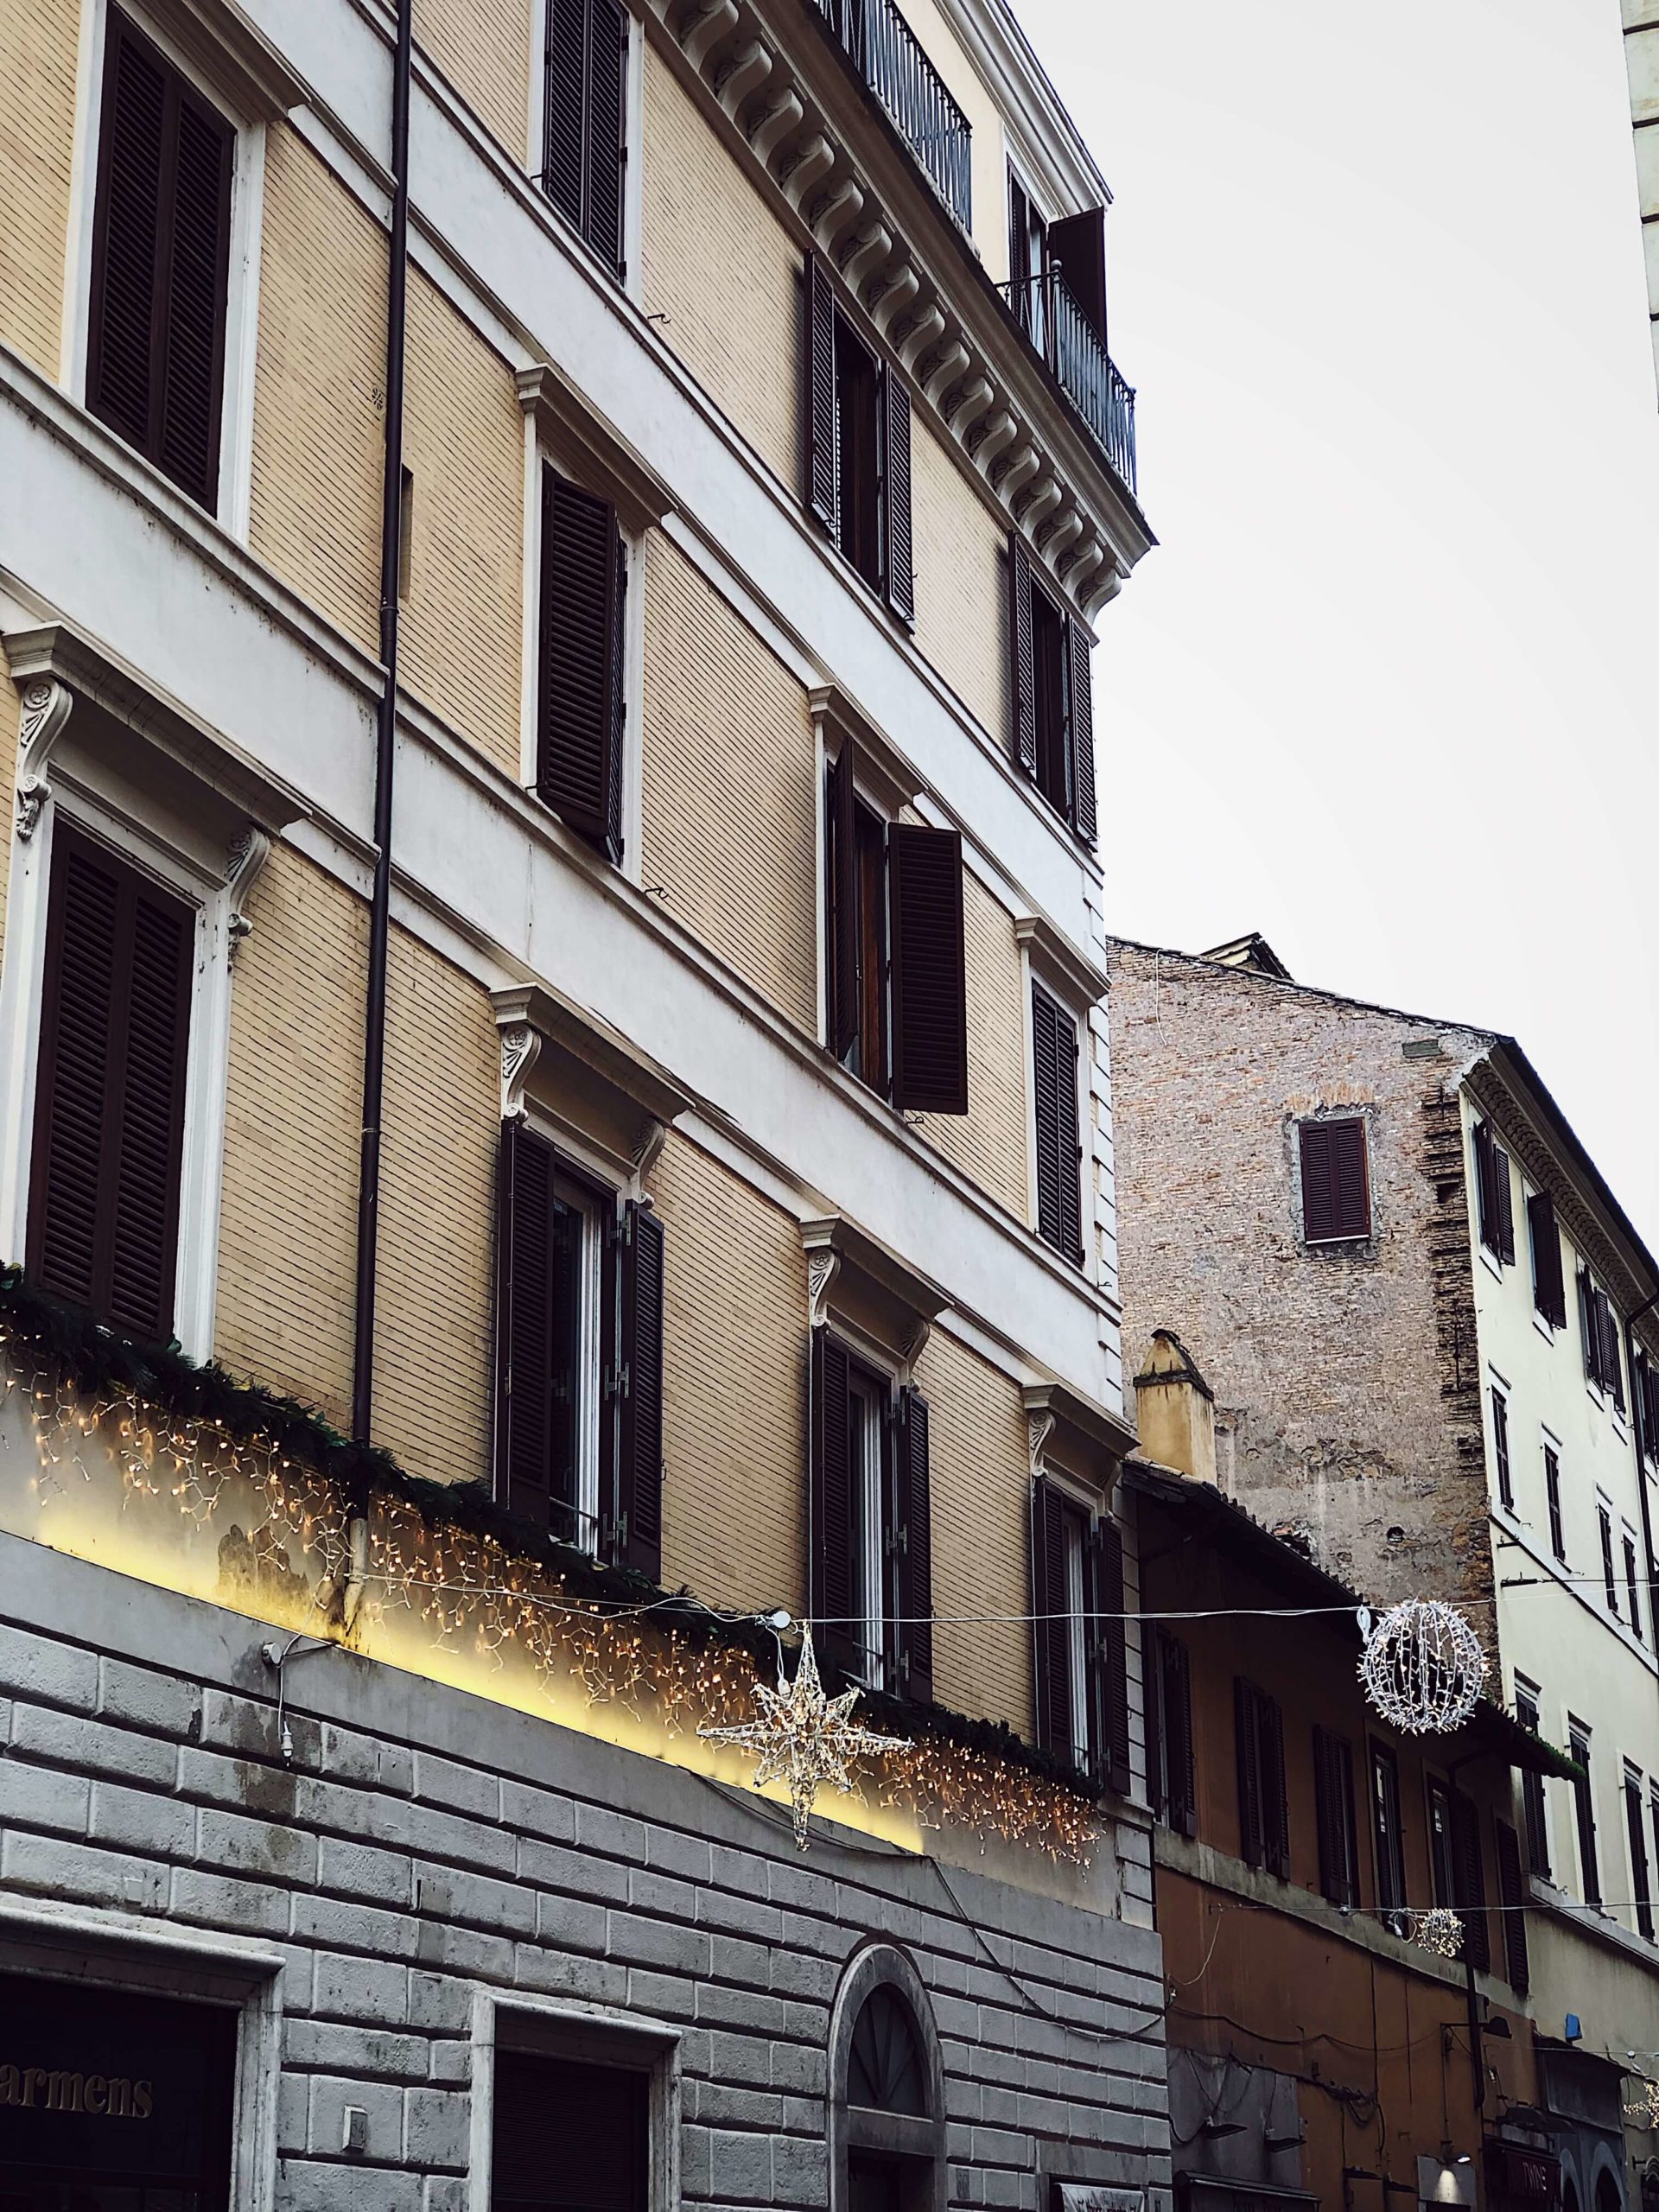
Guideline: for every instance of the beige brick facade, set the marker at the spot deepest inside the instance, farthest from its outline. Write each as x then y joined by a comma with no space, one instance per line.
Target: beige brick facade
723,270
319,405
460,638
728,804
483,47
294,1115
735,1346
988,1142
39,42
433,1346
961,590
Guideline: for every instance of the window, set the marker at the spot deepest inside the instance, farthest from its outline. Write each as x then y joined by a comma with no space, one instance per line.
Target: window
886,2108
857,413
1534,1803
1388,1834
1333,1798
1080,1640
579,1330
1584,1807
1028,261
1263,1817
585,91
1052,703
1501,1449
1641,1880
569,2136
1553,1494
579,744
1632,1585
1602,1365
1172,1778
1336,1189
1493,1195
1054,268
1609,1581
1645,1392
871,1524
1512,1896
898,986
109,1093
1059,1144
1549,1283
160,261
1455,1858
1442,1855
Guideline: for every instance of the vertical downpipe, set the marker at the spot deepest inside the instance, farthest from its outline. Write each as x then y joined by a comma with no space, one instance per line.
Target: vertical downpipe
385,750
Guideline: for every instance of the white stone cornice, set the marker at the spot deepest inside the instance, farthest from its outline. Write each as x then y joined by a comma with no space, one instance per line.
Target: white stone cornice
608,463
232,51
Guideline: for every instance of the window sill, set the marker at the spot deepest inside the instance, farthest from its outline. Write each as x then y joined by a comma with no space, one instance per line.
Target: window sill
1546,1329
1493,1260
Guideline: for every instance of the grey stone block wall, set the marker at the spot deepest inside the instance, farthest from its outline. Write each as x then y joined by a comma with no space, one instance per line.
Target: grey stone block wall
423,1844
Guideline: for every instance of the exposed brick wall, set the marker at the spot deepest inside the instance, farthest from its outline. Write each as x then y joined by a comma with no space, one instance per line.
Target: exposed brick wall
962,607
483,48
39,43
319,399
1343,1413
293,1124
729,808
988,1142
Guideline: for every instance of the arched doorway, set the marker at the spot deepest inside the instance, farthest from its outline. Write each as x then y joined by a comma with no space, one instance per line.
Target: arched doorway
1610,2197
886,2091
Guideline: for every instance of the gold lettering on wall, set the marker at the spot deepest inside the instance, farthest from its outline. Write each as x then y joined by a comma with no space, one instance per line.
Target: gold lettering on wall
110,2096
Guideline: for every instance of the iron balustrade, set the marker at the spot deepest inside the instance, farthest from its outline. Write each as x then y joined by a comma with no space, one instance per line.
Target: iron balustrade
884,50
1065,338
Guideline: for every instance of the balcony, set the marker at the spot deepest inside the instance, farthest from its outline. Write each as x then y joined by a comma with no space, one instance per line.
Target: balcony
1065,338
883,49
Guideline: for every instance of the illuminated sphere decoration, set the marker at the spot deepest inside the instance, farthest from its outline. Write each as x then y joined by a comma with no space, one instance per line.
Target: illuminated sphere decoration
1423,1667
1439,1931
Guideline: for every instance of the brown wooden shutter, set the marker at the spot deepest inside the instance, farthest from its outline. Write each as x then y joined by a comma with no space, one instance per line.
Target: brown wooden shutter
914,1537
842,876
1182,1765
1333,1794
1247,1738
1050,1636
1612,1362
607,129
1059,1158
1470,1879
930,984
1275,1811
830,1563
161,263
1549,1289
564,172
1077,244
1512,1896
109,1112
1020,269
537,1336
1502,1205
1108,1645
1485,1185
818,393
1082,736
638,1541
578,770
1022,658
898,554
1336,1186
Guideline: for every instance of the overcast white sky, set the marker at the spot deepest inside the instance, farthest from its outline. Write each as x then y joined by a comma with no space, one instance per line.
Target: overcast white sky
1388,688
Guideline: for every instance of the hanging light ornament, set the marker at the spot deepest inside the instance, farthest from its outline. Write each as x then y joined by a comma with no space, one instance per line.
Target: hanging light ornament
1643,2110
1423,1667
1439,1931
804,1736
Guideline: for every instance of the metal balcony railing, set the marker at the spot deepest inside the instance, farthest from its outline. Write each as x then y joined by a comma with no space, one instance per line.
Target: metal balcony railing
884,50
1062,335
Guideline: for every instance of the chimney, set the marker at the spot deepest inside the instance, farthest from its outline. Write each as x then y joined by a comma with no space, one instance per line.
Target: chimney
1175,1409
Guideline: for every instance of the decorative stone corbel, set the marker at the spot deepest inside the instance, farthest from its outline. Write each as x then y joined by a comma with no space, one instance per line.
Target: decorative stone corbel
247,857
520,1048
821,1268
1039,1426
916,1343
774,126
748,72
45,706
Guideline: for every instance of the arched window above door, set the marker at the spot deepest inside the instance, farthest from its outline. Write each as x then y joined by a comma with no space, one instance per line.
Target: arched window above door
887,2090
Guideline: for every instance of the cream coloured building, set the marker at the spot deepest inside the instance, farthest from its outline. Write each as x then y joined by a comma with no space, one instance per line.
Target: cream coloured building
1641,22
677,1157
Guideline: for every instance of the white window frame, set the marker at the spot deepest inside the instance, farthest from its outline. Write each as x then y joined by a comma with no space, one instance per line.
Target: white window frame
1046,958
245,107
1495,1382
872,1395
633,124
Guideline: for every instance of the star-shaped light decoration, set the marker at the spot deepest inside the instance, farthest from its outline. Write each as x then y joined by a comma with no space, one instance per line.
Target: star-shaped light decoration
804,1736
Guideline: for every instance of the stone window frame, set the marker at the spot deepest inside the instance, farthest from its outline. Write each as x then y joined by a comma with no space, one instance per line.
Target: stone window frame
105,1950
633,168
1349,1247
873,1964
592,2033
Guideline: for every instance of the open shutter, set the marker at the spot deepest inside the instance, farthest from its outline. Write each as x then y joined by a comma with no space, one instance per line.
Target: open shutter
1470,1880
1502,1205
898,553
607,129
1022,658
1082,736
914,1537
1247,1736
831,1562
1276,1812
1020,268
1108,1645
1076,246
1050,1636
1512,1896
930,986
1549,1289
1613,1363
536,1350
578,770
1587,1328
109,1113
842,875
1485,1185
818,396
638,1531
1059,1162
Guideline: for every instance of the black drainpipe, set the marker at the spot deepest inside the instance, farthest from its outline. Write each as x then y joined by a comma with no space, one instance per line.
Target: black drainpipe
385,746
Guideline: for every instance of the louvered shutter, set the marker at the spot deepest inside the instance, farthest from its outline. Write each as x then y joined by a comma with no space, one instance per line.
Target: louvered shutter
930,984
1512,1896
1275,1811
1470,1879
193,364
899,552
1020,268
1107,1643
639,1536
1022,658
1549,1289
1485,1185
1247,1741
109,1115
1587,1328
564,172
914,1536
1076,246
578,770
1183,1764
606,120
1082,736
1502,1205
1051,1630
1161,1792
843,876
1318,1211
1060,1158
1336,1188
537,1318
818,394
1333,1792
830,1563
1612,1365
